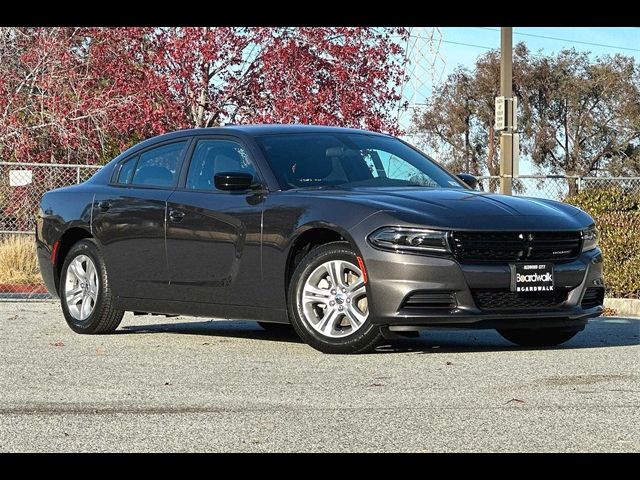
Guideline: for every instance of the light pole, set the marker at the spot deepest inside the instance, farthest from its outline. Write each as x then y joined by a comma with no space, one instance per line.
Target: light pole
507,124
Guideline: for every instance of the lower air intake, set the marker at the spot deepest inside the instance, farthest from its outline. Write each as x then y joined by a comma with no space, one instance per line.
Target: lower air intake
426,299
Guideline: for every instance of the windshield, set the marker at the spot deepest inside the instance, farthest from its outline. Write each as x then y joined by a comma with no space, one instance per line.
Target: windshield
350,160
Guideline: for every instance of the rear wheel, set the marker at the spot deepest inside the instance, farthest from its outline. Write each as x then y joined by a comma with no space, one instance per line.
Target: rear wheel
328,303
85,295
543,337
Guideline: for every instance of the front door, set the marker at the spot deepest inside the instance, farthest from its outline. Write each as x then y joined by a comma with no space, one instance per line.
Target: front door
214,236
129,221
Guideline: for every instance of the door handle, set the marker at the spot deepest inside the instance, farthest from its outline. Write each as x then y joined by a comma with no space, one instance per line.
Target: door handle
176,215
104,205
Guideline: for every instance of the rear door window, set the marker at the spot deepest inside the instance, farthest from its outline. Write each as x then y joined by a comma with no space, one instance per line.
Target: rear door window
126,170
159,167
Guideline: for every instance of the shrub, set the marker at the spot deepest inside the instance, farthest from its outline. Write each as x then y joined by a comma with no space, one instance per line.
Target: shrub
596,201
18,263
617,215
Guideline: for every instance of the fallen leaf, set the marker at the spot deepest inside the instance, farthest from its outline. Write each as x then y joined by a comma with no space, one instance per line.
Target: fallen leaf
377,385
449,363
58,344
167,383
515,400
101,351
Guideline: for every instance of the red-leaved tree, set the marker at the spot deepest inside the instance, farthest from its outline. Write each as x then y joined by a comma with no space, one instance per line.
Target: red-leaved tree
72,95
80,95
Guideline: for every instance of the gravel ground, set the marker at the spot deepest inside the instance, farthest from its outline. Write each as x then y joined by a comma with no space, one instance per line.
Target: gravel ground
186,384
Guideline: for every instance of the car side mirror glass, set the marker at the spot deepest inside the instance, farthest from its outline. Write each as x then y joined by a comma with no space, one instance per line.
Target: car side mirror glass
469,180
233,181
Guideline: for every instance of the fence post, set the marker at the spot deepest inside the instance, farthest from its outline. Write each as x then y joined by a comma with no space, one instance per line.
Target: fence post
78,174
579,184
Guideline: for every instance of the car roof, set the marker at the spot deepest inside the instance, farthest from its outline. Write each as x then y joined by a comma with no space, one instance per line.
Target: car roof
273,129
256,130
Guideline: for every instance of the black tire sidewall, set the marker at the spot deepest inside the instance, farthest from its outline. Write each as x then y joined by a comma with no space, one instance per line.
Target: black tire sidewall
361,340
84,247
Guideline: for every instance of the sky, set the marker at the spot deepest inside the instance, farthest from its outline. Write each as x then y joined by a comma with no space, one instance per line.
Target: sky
462,45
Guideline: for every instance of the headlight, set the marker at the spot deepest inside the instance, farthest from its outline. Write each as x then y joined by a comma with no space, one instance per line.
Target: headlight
414,240
589,238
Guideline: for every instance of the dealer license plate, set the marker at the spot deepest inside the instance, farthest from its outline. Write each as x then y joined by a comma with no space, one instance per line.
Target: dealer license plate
532,277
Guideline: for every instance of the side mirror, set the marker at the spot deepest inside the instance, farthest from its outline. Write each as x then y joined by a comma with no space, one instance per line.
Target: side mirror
233,181
470,180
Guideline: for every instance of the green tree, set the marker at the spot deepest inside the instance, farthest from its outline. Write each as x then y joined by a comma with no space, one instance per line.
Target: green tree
585,117
576,116
457,123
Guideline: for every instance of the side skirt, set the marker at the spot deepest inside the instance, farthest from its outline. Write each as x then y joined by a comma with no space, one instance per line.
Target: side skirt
201,309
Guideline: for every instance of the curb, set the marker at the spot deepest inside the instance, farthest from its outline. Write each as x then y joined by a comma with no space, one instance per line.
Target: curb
624,307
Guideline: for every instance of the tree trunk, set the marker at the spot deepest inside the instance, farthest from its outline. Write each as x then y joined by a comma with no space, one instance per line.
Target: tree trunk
572,183
199,113
466,143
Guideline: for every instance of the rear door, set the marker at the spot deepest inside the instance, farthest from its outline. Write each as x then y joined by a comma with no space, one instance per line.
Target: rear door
214,236
129,220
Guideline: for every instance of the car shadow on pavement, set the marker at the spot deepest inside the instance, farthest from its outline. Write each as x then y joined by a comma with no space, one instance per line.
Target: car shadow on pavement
600,332
216,328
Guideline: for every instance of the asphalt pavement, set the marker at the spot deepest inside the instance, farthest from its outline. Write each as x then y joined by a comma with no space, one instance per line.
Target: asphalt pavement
194,384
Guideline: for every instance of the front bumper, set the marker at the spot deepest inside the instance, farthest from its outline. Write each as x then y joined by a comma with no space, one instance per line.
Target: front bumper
393,277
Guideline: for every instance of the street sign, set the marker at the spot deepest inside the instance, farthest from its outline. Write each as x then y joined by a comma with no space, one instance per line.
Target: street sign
500,120
20,178
505,113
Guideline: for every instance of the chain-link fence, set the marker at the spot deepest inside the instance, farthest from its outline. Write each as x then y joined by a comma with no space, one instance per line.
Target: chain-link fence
558,187
22,186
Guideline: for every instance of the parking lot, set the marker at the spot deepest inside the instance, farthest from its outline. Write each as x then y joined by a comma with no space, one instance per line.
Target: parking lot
185,384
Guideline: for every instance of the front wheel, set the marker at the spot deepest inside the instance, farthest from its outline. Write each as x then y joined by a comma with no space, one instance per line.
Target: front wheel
543,337
328,303
85,294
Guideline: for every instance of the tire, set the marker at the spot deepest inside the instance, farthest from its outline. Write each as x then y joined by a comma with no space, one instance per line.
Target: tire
544,337
276,327
349,330
103,316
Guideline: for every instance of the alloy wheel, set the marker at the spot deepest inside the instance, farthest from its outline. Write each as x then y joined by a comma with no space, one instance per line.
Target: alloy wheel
334,299
81,287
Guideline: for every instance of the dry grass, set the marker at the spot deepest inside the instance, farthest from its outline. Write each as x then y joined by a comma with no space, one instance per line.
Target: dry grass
18,263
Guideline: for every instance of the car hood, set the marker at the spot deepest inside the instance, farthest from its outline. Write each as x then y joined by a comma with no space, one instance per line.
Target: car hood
468,209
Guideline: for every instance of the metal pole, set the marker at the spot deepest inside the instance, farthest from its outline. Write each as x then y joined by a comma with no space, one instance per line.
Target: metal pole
506,138
78,174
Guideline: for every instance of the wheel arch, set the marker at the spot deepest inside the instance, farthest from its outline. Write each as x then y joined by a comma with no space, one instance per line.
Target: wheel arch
310,236
68,239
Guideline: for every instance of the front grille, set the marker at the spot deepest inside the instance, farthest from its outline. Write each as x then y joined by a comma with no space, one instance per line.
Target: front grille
593,297
498,299
430,299
516,246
